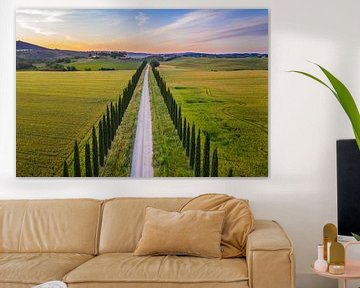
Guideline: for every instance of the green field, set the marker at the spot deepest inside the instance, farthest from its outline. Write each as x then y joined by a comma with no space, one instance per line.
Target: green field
217,64
55,108
227,98
229,103
96,64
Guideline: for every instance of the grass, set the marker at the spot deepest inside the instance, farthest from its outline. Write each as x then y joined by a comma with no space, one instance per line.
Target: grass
217,64
169,157
118,161
232,106
96,64
54,109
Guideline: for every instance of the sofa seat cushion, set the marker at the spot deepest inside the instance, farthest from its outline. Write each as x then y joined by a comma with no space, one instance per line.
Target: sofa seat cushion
36,268
127,268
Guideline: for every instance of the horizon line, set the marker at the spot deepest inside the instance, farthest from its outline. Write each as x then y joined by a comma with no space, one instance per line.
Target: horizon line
143,52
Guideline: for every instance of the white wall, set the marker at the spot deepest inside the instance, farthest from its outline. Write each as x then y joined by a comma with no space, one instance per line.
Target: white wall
305,120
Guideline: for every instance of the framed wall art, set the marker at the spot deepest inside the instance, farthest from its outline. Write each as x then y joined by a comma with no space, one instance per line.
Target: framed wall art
142,93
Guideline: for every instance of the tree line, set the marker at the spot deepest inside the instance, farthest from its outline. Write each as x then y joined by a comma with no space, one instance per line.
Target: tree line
199,159
101,142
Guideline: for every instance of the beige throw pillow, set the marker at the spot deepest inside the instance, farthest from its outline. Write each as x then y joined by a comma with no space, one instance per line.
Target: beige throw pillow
239,220
196,233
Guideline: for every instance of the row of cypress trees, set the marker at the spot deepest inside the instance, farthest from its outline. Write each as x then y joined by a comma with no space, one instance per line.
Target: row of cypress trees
190,141
108,124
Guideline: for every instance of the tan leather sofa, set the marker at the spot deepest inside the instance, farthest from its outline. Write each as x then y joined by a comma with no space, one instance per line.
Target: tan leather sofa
89,243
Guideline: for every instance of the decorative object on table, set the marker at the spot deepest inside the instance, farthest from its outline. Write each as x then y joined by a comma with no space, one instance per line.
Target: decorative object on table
344,97
320,264
329,236
337,258
350,270
336,269
52,284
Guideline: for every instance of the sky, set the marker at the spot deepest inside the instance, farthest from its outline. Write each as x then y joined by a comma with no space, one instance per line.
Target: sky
150,31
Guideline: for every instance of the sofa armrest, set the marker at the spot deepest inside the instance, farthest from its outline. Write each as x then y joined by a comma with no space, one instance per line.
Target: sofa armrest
269,255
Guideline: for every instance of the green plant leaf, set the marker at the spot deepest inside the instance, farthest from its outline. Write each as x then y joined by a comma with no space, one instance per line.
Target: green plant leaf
344,97
347,102
356,236
316,79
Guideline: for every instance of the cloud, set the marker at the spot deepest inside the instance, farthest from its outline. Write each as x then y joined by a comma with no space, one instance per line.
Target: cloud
254,27
141,18
40,16
204,28
37,20
36,29
193,20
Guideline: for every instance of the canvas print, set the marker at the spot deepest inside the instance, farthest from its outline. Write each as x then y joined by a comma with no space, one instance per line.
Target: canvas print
142,93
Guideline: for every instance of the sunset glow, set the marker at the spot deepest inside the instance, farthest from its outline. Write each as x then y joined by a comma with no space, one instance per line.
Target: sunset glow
151,31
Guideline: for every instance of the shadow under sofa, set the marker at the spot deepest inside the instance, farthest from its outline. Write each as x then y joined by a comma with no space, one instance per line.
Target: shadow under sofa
90,243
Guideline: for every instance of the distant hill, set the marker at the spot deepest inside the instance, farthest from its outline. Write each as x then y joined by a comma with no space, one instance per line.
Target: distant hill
169,56
215,55
21,45
34,53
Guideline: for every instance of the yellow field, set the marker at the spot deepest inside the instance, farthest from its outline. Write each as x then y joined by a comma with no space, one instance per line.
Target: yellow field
55,108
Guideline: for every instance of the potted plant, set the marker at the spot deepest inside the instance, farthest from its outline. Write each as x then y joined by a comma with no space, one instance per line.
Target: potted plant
346,100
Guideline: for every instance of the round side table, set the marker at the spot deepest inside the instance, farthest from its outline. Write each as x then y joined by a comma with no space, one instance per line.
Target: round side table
352,269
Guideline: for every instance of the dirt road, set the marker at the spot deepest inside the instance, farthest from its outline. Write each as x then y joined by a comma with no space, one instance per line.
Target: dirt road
143,147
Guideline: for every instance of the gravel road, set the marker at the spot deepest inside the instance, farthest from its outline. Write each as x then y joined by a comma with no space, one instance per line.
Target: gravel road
143,147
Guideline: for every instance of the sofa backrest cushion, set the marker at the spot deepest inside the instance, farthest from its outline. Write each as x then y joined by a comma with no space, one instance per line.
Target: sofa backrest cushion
123,220
239,220
64,226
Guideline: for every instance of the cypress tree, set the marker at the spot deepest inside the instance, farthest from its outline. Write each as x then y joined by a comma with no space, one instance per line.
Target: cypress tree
172,110
77,169
88,160
65,170
231,172
101,144
95,153
179,124
176,115
192,146
197,171
206,159
119,110
184,133
112,122
188,140
180,128
115,120
124,102
108,122
214,164
105,135
116,116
